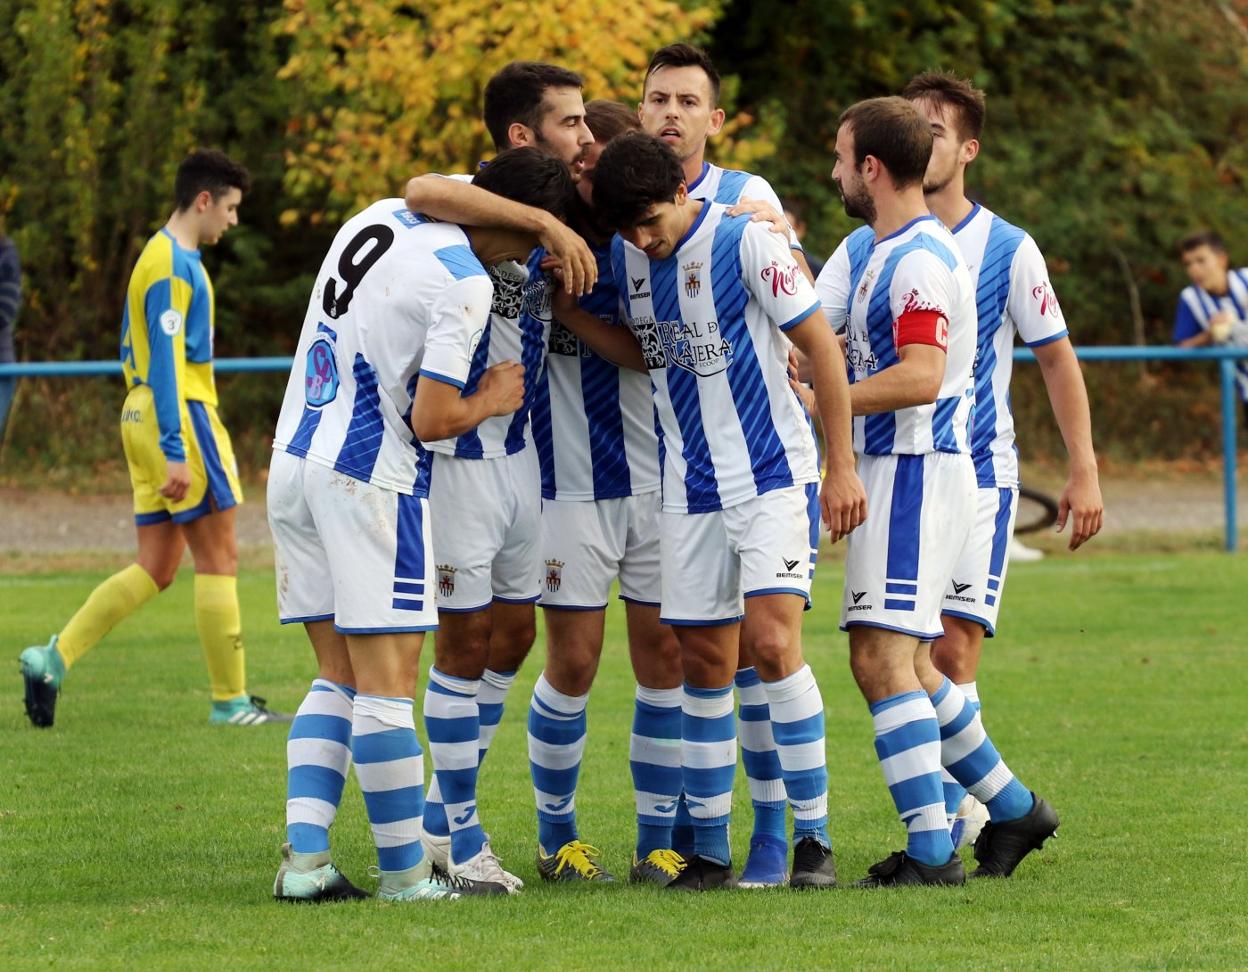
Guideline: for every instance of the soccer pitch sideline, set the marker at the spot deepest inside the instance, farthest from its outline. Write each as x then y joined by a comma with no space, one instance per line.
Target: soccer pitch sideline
133,834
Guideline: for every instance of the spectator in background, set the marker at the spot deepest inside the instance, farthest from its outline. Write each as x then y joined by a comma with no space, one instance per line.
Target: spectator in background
1214,309
10,299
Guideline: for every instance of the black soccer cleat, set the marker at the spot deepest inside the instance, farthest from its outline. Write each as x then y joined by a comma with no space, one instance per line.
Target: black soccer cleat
1000,847
324,883
701,874
899,868
813,866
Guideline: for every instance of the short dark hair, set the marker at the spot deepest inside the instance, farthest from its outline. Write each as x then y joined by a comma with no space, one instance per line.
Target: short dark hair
515,94
1204,237
894,131
950,91
633,173
607,119
208,170
529,176
686,55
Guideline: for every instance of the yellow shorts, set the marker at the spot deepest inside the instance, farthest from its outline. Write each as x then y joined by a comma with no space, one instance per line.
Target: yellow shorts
209,455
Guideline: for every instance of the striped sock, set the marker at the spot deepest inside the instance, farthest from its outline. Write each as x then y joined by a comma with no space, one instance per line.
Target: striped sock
797,721
758,755
955,791
682,827
907,742
973,760
453,726
556,745
318,756
391,771
708,761
490,701
654,759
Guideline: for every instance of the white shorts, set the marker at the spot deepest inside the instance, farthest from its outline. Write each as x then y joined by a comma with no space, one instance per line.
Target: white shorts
485,545
711,562
900,560
587,545
978,580
348,551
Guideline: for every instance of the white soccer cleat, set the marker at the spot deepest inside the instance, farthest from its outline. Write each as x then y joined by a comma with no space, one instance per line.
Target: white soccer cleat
437,849
972,815
487,869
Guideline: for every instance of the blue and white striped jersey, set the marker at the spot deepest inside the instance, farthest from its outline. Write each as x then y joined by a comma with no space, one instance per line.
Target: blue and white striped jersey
1012,296
398,296
729,186
1196,306
593,422
710,320
866,285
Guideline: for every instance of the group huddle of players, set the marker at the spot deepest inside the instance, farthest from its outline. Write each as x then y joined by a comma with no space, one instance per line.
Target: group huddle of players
580,367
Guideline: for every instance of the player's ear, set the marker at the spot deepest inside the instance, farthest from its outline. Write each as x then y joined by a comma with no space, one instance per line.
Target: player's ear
203,201
519,135
717,121
970,151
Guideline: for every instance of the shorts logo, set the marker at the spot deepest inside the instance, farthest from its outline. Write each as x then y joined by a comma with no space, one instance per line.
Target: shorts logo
957,594
446,580
858,605
171,322
554,575
693,278
320,383
858,595
959,588
788,569
789,564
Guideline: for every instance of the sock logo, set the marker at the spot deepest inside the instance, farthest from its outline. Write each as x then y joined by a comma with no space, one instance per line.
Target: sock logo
666,807
463,819
692,803
561,805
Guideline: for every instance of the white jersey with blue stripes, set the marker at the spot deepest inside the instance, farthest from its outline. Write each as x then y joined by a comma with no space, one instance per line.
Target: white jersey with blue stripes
710,320
593,422
397,297
1013,296
866,285
730,186
1197,306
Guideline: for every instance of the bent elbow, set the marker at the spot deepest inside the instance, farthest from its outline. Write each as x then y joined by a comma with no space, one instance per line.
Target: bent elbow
428,429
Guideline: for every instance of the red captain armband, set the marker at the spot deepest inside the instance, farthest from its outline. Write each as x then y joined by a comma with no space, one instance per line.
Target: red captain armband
922,327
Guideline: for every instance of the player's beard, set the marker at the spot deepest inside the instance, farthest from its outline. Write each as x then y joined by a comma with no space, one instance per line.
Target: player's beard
858,204
938,183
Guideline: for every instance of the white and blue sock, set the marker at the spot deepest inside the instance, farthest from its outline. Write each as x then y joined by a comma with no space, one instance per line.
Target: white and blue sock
556,744
391,771
797,723
654,759
708,758
907,742
955,791
318,758
453,725
971,758
490,701
759,757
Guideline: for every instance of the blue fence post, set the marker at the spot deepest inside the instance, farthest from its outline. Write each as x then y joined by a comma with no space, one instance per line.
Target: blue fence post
1229,452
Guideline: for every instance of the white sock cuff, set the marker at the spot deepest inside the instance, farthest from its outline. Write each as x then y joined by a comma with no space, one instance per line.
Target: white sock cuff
659,698
499,681
568,706
970,690
388,712
461,686
791,686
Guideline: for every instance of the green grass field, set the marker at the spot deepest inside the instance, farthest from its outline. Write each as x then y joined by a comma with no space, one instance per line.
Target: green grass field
134,835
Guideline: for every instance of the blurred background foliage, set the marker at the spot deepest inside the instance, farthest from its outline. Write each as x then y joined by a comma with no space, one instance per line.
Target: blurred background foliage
1114,127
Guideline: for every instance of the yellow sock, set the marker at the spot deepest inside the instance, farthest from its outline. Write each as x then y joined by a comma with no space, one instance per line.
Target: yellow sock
220,633
114,600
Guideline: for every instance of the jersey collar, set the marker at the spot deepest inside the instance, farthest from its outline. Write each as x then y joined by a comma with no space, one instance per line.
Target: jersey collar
898,232
967,218
706,167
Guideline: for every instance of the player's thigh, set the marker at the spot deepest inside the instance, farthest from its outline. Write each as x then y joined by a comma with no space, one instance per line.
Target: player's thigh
581,546
641,565
471,516
305,586
899,562
978,577
378,553
699,570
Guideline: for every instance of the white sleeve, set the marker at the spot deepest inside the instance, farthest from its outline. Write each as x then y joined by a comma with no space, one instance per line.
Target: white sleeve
922,282
1032,305
756,187
770,272
832,288
457,320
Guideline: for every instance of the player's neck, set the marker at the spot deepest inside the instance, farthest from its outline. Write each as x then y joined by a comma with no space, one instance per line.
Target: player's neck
693,166
495,245
950,205
183,226
895,209
1221,286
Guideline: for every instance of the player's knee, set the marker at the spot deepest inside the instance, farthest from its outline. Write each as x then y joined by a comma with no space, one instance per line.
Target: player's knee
775,654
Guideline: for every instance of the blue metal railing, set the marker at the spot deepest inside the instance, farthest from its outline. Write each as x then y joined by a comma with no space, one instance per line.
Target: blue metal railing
1226,358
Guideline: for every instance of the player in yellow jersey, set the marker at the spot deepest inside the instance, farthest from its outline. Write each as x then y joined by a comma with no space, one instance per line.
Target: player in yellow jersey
181,463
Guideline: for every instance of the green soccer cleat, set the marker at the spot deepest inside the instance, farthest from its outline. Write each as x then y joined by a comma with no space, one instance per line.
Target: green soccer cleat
659,867
425,882
43,670
245,710
574,861
321,883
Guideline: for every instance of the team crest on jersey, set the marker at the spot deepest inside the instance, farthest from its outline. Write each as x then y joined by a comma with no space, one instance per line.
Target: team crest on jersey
693,277
696,346
509,281
865,287
446,580
554,575
320,383
646,330
783,280
1043,294
171,322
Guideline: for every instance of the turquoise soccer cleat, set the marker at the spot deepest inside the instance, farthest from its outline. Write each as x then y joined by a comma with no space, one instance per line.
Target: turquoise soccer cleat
43,670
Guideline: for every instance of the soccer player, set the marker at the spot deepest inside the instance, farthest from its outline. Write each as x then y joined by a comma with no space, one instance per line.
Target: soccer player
594,430
485,485
182,466
911,332
1013,297
712,302
680,105
1214,309
388,349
